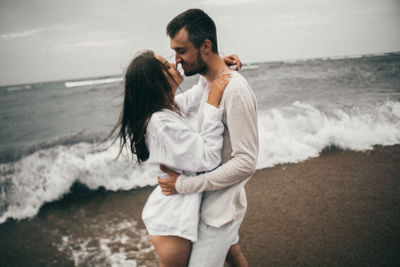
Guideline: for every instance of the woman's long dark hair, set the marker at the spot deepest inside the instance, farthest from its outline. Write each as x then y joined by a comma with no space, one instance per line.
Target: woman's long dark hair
147,91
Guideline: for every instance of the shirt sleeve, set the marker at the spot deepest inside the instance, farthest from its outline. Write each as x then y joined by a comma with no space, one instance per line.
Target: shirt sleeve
242,124
188,150
191,97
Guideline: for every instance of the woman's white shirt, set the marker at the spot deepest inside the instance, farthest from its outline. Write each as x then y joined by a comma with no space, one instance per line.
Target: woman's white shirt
173,143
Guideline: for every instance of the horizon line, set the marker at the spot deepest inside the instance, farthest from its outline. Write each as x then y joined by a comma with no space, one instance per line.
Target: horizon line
88,78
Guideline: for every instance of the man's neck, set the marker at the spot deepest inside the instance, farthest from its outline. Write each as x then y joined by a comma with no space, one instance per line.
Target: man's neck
215,67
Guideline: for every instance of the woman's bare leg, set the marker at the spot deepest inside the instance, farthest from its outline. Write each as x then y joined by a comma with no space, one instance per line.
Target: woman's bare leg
235,257
173,251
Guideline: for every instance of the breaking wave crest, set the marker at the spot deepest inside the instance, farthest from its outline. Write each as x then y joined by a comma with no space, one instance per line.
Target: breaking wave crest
290,134
302,131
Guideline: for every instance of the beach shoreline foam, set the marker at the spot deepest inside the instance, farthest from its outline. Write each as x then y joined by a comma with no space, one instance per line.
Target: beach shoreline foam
340,209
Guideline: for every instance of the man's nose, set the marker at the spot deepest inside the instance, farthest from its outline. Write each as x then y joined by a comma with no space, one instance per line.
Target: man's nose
178,59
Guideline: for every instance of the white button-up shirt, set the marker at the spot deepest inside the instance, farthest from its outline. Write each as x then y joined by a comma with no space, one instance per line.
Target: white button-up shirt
173,143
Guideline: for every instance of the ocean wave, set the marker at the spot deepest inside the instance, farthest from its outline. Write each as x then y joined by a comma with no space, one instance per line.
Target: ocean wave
301,131
19,88
92,82
287,135
250,66
47,175
18,152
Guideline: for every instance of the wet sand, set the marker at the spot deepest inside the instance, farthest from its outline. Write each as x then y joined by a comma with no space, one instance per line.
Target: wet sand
340,209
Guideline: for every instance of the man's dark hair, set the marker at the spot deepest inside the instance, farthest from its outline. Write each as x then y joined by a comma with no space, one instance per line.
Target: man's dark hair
199,26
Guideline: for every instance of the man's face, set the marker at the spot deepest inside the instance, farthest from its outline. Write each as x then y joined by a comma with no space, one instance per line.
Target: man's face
186,54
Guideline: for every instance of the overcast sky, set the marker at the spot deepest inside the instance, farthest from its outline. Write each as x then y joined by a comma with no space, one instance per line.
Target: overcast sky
44,40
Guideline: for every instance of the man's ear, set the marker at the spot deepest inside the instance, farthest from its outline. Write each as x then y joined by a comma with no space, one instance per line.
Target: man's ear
206,47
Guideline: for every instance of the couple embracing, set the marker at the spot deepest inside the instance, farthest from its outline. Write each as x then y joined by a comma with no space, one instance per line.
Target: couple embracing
193,216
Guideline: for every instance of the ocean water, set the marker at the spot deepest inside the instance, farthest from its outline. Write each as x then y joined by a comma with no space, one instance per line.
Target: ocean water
52,134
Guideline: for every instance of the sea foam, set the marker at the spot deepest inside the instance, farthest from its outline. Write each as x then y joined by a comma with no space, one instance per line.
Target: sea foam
47,175
301,131
116,243
288,134
92,82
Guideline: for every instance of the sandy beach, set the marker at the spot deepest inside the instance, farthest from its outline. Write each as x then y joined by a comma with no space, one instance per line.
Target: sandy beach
340,209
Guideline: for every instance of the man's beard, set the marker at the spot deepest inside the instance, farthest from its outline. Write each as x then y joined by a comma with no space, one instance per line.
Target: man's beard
201,67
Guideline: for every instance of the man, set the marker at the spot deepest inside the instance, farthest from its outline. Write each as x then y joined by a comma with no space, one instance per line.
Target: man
193,37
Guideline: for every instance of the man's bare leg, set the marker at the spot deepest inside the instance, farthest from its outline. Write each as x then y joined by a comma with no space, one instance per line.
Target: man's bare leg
235,257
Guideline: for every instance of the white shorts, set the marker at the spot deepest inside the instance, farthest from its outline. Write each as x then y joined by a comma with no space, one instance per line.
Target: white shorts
213,244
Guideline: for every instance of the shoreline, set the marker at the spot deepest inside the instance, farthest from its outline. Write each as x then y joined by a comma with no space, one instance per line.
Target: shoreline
339,209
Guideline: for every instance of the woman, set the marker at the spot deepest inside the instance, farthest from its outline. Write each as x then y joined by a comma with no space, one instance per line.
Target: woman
152,123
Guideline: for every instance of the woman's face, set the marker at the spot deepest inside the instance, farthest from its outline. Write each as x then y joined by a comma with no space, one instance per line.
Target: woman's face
174,73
